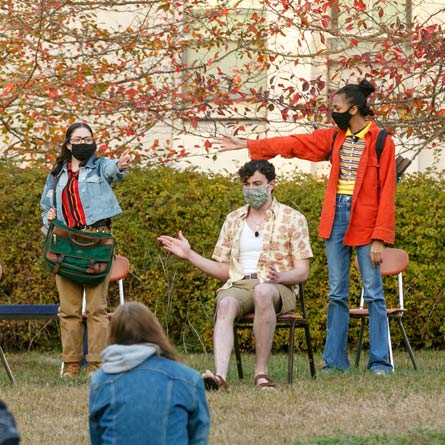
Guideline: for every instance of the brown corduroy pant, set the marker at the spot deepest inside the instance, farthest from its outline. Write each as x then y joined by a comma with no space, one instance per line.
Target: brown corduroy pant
71,330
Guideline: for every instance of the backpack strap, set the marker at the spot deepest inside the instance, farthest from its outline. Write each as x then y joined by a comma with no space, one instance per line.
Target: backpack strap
329,153
56,180
380,143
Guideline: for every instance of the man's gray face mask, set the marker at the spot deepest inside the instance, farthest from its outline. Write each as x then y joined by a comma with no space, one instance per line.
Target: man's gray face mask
256,197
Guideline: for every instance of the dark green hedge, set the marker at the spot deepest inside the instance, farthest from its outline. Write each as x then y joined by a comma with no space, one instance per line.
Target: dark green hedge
163,201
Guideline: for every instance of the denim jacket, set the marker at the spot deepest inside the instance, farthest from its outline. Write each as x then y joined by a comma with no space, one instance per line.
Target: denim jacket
96,194
142,398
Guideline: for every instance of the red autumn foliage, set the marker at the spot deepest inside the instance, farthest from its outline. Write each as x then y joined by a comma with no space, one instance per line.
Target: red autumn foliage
129,66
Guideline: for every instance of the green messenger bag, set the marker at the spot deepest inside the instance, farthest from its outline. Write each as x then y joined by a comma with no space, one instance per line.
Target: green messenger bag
82,257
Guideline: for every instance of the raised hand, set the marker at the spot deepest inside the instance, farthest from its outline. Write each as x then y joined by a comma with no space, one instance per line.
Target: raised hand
177,246
124,160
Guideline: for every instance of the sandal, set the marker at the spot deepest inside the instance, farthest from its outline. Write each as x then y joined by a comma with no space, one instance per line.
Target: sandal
213,381
268,384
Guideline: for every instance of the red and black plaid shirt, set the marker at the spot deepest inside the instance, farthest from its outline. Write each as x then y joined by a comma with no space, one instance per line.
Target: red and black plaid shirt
71,204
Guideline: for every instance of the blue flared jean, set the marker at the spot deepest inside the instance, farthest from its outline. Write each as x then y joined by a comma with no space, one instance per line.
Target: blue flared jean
339,260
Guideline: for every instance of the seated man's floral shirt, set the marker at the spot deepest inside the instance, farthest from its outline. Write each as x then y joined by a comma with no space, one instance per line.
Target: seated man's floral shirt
285,240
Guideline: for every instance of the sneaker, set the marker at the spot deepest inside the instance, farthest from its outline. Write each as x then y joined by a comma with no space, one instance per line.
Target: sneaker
70,369
93,367
382,371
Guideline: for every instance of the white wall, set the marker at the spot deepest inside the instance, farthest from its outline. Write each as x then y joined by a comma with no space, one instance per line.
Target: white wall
230,162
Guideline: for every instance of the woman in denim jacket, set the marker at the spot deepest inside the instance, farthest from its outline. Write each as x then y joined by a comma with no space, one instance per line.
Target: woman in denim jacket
142,395
83,200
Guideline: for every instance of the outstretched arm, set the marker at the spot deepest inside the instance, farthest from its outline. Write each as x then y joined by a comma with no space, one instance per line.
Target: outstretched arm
312,147
181,248
230,143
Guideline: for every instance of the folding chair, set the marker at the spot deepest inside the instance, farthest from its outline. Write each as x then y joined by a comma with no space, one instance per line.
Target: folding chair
289,321
25,312
395,261
119,271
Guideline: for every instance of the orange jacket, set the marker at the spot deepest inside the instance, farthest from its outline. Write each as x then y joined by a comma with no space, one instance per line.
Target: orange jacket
373,199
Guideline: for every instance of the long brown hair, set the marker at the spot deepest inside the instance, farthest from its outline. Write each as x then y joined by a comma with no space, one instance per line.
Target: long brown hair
134,323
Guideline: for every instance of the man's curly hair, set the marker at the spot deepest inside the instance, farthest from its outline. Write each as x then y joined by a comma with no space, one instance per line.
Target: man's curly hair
264,167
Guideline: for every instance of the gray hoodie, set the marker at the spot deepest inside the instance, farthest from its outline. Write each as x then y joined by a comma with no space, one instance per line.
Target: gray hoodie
122,358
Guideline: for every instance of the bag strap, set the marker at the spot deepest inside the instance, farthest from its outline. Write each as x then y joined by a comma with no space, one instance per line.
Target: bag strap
56,180
329,153
380,144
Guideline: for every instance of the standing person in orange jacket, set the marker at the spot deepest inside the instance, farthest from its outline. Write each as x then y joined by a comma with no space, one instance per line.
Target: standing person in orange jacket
358,211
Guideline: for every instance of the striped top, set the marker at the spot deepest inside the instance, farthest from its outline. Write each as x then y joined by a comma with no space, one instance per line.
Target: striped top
71,204
350,154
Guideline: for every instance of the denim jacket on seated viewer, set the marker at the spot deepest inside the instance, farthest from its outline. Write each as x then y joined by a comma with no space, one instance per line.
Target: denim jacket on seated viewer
142,398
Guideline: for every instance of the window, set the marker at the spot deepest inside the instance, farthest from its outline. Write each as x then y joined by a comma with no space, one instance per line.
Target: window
360,27
225,69
365,21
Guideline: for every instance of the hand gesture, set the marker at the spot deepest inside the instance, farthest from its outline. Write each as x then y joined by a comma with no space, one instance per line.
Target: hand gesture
230,143
124,160
273,276
177,246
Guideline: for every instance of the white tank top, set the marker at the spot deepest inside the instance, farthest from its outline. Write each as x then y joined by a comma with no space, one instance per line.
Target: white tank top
250,249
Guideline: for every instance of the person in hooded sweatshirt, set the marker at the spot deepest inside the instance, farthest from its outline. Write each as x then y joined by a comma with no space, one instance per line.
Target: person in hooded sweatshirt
142,395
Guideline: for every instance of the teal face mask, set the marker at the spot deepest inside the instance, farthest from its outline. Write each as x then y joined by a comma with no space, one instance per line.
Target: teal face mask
256,197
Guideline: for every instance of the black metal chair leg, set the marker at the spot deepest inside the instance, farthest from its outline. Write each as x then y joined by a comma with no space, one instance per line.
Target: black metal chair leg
360,342
239,365
310,351
290,354
6,366
406,341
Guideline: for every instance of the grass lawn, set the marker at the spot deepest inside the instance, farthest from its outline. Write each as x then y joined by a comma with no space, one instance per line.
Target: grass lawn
337,408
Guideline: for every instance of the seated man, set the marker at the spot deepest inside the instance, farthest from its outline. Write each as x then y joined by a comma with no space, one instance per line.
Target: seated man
262,253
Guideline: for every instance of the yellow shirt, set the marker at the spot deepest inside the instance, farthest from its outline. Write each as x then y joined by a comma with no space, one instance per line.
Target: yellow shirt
350,154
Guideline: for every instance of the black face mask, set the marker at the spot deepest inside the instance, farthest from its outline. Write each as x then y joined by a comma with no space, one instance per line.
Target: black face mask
82,152
342,119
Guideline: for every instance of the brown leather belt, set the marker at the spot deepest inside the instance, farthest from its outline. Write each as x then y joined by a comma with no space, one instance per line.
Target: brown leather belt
100,229
250,276
103,225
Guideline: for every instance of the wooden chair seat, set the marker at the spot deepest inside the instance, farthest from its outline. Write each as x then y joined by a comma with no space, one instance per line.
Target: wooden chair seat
248,318
357,313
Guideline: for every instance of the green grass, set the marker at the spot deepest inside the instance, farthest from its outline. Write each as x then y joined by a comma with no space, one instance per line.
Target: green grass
421,437
353,408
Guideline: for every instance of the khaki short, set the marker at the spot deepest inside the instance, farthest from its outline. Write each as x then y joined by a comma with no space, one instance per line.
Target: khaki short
242,291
